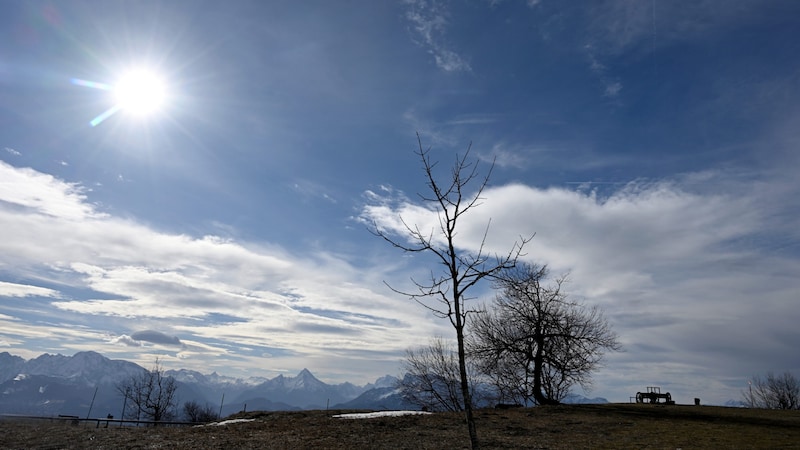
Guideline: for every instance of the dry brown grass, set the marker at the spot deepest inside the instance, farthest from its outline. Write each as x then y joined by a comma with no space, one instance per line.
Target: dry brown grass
614,426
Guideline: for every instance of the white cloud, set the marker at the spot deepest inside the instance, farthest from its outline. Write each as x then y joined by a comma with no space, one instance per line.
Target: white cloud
504,155
429,20
612,89
449,60
651,221
473,119
24,290
125,340
224,297
679,265
43,193
12,151
55,337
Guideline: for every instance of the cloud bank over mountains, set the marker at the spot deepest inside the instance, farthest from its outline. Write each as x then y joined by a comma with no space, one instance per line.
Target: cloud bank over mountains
673,262
151,287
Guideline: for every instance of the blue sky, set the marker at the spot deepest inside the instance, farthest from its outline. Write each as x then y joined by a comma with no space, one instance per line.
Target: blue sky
652,147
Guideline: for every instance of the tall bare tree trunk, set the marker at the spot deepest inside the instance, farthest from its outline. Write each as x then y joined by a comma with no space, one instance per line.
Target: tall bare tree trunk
464,268
462,367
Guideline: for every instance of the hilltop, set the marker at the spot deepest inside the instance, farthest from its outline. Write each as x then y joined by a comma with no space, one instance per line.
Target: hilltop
616,426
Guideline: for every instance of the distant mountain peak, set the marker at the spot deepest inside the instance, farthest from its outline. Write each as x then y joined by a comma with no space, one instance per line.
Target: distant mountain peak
386,381
71,380
306,380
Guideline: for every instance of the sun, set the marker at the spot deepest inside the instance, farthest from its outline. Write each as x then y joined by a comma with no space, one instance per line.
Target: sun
140,92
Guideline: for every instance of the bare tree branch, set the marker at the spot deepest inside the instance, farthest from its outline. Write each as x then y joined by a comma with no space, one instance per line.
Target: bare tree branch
773,392
150,395
536,343
445,294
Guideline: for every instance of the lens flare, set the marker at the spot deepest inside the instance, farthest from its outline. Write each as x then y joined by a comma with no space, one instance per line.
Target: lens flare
140,93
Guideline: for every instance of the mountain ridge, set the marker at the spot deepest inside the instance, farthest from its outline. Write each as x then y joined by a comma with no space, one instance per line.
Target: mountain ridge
89,382
57,384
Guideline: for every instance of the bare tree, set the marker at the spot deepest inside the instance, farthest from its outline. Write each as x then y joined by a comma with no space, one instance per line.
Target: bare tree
197,413
432,379
150,395
536,343
445,294
773,392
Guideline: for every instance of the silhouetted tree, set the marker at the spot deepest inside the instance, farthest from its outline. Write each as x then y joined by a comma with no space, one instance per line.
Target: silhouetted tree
432,379
150,395
195,412
445,294
535,344
773,392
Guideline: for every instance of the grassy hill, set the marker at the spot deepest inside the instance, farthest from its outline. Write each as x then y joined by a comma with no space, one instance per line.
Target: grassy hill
612,426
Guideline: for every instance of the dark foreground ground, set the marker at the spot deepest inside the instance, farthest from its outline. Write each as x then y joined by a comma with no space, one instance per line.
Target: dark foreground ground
612,426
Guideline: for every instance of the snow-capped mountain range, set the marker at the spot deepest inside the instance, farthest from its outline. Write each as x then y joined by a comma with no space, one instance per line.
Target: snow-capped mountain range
85,385
57,384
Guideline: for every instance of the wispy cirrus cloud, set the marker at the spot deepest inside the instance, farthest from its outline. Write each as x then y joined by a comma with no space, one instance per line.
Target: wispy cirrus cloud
428,20
26,290
623,25
504,155
473,119
611,85
617,27
311,189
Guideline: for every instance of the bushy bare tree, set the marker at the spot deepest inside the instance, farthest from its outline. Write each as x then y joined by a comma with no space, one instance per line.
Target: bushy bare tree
197,413
151,395
536,343
445,293
773,392
432,379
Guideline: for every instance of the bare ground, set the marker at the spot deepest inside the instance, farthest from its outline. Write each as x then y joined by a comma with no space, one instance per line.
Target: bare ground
612,426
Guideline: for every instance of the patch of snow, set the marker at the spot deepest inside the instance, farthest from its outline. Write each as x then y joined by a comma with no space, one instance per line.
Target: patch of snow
20,377
373,415
228,422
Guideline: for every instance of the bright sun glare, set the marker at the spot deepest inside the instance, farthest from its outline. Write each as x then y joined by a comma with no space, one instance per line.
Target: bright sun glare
140,92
